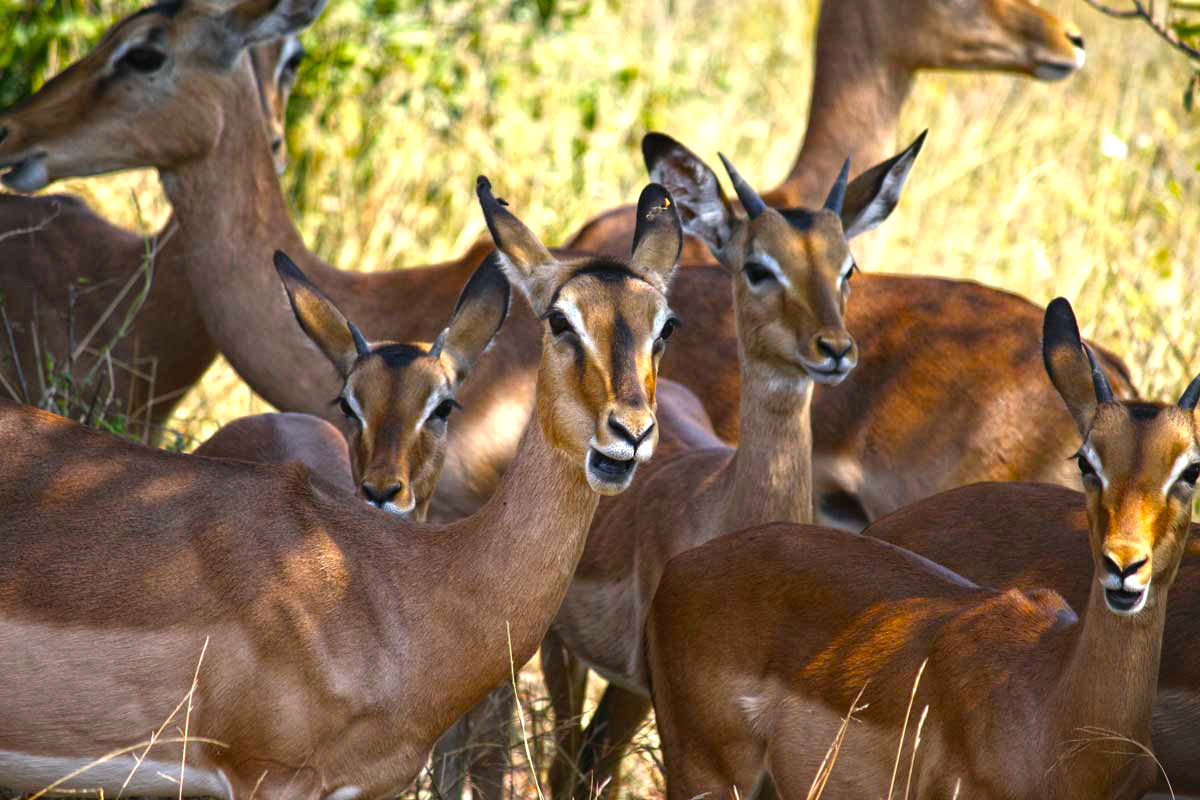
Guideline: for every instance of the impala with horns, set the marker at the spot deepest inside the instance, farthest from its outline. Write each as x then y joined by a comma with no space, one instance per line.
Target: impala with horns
791,273
867,56
760,642
84,273
872,453
322,640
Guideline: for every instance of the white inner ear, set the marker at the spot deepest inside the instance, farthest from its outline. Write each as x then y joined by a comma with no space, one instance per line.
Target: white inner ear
768,261
1093,458
1185,460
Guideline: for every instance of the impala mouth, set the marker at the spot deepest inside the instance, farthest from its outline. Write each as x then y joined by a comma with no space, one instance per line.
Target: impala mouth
1124,601
829,371
1056,69
27,174
609,475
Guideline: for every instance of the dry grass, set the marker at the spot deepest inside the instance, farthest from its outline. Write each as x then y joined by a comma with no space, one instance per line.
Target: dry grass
1085,189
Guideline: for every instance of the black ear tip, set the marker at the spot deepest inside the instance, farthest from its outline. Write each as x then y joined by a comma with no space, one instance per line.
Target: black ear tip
654,201
654,146
1060,321
482,184
287,268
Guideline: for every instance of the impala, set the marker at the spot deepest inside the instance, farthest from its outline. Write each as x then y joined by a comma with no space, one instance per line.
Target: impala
64,244
871,451
331,633
791,273
867,55
760,641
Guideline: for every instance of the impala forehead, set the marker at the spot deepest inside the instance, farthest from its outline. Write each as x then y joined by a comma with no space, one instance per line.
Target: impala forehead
602,306
1141,445
388,388
794,243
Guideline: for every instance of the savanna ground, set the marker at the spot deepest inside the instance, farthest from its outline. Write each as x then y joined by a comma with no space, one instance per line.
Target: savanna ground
1085,188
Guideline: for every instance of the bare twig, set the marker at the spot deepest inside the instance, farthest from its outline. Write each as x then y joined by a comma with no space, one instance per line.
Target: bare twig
1113,12
904,729
32,228
1161,27
512,667
12,347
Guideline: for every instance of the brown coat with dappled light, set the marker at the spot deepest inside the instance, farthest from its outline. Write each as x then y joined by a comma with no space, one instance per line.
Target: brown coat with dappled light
759,643
932,341
324,638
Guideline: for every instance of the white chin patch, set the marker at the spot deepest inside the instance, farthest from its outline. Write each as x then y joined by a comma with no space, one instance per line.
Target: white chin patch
1080,58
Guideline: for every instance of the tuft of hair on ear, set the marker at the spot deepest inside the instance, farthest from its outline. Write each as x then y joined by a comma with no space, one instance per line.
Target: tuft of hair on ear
478,316
703,208
658,238
1068,364
320,319
872,196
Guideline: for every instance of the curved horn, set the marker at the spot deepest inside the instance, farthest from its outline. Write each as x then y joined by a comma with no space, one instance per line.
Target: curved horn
1104,392
1191,395
837,195
750,199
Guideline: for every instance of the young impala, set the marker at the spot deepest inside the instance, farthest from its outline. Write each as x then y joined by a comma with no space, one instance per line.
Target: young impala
64,244
935,340
866,58
791,277
759,642
332,634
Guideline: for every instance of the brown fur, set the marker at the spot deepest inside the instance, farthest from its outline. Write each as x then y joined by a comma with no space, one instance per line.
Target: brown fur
232,217
867,55
167,338
758,643
334,633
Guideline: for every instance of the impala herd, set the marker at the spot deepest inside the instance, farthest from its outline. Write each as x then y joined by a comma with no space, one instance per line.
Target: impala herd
623,463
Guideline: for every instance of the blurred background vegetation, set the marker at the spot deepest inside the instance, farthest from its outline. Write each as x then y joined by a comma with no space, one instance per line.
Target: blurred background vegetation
1087,188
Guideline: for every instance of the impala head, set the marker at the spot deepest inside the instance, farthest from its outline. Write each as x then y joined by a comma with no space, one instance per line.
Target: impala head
605,327
791,267
397,397
1007,35
1140,463
148,95
276,64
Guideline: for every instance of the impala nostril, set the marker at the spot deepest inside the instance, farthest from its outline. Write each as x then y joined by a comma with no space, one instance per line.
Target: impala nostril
381,497
1111,567
833,349
3,133
1133,568
275,145
1076,39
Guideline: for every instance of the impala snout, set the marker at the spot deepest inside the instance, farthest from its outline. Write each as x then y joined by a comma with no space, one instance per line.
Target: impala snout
22,168
831,355
1061,53
628,436
1126,577
394,498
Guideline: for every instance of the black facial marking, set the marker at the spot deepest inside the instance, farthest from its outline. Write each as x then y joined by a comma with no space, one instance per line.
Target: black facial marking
625,384
398,356
1141,410
798,218
602,269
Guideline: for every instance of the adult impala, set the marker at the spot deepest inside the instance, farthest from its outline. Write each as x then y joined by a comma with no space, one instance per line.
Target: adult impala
334,632
791,277
64,244
759,642
867,55
933,341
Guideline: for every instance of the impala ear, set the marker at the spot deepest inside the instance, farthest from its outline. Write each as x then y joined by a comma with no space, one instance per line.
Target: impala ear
252,21
1069,366
522,256
703,209
658,239
477,318
873,195
320,319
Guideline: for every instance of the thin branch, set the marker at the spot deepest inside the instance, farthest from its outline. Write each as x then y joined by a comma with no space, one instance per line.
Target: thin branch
15,232
1113,12
1141,11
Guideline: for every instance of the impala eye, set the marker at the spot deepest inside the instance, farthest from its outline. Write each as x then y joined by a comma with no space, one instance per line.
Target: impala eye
558,323
757,273
1191,474
292,65
348,410
142,59
443,410
1085,466
668,329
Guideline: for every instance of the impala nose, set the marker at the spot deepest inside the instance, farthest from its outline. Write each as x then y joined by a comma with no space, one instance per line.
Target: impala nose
619,428
835,347
1122,574
381,497
275,145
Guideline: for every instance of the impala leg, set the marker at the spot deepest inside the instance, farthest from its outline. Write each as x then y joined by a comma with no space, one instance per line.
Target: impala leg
617,720
566,680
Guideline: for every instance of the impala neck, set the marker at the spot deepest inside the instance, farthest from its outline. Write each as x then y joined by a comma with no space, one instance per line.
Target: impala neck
1106,688
512,563
772,467
855,108
231,217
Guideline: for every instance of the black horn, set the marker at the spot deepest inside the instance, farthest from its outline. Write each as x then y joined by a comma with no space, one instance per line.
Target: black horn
1190,395
1104,392
837,195
750,199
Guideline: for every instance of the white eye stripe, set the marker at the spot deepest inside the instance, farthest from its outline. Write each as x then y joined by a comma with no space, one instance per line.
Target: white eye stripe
1184,461
352,401
291,46
768,261
571,312
1093,458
